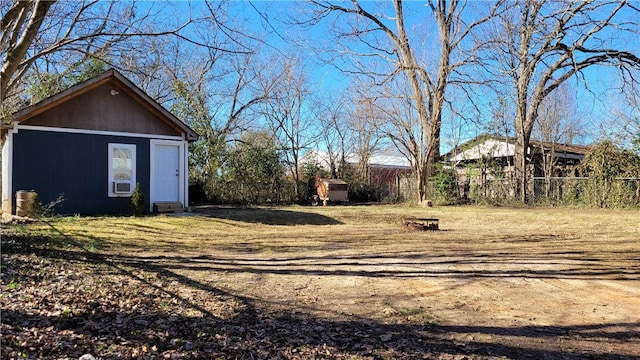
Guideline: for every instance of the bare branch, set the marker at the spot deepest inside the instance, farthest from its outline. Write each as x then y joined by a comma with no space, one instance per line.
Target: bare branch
555,41
17,48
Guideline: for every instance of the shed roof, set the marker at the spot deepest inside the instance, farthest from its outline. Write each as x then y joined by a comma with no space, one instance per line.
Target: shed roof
333,181
111,75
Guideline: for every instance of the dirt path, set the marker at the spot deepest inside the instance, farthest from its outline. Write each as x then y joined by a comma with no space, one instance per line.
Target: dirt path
552,291
335,283
559,314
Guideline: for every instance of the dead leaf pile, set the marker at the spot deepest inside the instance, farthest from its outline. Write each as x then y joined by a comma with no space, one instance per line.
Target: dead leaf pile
60,301
63,303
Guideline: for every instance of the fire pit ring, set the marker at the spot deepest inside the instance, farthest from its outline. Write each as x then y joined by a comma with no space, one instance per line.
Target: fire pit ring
422,224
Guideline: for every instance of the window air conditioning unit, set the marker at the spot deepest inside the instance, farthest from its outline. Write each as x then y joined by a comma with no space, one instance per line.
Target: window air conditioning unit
122,187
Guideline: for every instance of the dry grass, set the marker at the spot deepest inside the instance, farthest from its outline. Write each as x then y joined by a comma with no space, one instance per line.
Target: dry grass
302,226
545,282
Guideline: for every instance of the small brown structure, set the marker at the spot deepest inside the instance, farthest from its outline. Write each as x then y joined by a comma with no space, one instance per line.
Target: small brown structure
334,190
413,223
167,206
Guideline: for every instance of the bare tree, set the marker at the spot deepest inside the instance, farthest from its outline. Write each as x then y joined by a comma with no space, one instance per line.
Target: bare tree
20,24
39,30
623,126
540,44
558,120
289,117
400,122
557,124
428,80
365,123
219,97
335,132
632,118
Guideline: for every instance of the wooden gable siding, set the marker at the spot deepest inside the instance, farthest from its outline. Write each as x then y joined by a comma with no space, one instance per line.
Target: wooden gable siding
97,109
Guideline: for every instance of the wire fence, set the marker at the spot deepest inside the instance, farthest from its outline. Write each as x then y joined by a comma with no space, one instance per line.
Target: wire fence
579,191
593,192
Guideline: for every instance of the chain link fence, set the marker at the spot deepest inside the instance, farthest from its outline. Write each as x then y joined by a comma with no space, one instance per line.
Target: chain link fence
566,191
579,191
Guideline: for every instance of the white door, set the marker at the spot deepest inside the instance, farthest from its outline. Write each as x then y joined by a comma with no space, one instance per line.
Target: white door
166,173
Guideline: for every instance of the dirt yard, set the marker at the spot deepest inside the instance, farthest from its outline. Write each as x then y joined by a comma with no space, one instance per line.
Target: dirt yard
325,282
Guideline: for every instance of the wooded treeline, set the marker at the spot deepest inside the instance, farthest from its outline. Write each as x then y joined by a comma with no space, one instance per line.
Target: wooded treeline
252,78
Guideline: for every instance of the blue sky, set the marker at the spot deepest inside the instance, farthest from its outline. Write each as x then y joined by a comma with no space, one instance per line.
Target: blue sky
595,101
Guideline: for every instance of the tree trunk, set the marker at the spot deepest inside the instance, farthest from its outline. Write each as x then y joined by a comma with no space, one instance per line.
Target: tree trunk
16,52
422,183
522,144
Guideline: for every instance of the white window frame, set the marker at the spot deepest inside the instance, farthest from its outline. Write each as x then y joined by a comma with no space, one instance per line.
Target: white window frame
111,180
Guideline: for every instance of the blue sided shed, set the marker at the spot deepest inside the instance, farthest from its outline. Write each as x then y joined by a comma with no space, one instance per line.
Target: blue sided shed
93,143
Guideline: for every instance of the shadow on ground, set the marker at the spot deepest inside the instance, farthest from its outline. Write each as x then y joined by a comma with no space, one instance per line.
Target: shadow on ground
266,216
137,307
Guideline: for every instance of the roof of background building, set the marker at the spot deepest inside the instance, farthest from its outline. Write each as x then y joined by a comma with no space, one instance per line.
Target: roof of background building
495,147
377,160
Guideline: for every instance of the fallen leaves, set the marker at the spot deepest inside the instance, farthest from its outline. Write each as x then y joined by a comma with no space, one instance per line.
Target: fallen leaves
65,307
61,301
111,309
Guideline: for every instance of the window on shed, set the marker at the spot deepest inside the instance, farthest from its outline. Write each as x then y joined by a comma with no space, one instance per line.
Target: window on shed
122,169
